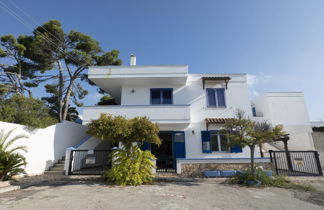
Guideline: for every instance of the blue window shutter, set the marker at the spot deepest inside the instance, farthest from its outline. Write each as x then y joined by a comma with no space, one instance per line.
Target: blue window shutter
179,144
236,149
220,97
254,111
146,146
205,141
211,100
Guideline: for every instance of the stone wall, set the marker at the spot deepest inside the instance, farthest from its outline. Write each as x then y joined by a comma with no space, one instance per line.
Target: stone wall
197,169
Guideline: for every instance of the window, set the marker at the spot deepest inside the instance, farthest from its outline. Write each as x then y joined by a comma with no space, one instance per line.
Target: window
215,141
219,142
161,95
254,112
215,97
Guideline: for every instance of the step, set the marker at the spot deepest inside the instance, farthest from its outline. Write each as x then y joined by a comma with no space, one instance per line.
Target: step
54,172
61,162
59,165
4,184
9,188
56,169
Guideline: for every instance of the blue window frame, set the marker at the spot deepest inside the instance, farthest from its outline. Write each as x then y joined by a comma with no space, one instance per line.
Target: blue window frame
161,96
216,97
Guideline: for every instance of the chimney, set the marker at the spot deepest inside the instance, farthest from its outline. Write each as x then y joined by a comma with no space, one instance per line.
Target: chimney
132,60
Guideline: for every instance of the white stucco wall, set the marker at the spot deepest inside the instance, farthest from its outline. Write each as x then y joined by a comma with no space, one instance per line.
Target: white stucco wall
46,146
288,109
236,97
193,94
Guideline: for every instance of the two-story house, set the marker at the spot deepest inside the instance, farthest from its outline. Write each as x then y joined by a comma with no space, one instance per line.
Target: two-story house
189,108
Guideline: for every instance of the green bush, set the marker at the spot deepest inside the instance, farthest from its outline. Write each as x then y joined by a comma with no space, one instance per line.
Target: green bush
245,176
30,112
119,129
11,164
131,167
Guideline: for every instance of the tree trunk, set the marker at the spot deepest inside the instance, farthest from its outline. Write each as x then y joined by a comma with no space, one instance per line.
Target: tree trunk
252,160
289,163
261,151
60,92
66,101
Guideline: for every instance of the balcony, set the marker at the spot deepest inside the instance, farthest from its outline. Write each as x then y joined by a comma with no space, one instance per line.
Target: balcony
161,114
112,78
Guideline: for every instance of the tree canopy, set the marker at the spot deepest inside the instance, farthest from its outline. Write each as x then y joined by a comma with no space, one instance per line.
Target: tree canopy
69,53
30,112
17,73
127,131
243,131
51,54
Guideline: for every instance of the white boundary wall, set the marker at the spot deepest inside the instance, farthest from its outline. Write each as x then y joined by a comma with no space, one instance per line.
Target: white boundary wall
46,146
288,109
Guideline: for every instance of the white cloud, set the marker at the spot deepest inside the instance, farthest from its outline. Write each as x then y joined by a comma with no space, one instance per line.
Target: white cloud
254,80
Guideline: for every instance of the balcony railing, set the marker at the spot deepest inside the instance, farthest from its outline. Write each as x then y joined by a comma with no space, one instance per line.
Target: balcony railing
162,114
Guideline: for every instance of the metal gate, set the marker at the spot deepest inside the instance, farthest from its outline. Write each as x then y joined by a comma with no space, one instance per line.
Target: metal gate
296,163
89,162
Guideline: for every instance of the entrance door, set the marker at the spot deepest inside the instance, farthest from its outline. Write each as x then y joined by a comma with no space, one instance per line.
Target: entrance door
164,153
172,147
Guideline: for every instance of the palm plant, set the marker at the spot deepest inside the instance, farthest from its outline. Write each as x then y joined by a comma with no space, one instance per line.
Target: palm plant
11,162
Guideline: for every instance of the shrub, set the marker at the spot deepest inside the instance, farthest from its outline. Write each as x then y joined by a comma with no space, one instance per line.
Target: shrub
131,167
245,176
11,164
118,129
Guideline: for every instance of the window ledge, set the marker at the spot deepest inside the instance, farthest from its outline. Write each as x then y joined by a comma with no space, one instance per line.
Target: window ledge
222,107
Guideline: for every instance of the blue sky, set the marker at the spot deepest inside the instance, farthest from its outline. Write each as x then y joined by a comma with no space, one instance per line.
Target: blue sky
279,43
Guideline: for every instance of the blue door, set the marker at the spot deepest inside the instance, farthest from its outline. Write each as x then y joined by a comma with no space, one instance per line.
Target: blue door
179,145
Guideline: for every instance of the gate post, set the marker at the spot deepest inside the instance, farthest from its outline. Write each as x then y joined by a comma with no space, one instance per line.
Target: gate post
68,161
270,153
318,163
275,160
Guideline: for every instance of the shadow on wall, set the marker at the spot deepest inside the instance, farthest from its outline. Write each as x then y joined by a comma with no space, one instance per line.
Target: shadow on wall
67,134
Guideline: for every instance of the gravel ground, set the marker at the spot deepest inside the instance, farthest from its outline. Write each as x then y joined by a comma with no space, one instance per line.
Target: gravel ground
91,193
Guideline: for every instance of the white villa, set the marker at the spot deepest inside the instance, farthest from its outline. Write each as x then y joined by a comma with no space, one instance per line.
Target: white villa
191,108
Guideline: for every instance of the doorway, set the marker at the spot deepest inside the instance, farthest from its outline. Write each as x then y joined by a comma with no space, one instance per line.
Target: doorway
164,153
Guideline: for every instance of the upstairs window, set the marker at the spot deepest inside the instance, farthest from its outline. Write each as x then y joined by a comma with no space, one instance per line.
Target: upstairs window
215,97
161,95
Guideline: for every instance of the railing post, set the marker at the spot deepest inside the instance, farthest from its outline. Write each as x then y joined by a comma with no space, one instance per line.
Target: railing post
275,160
318,163
270,153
